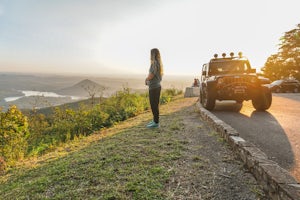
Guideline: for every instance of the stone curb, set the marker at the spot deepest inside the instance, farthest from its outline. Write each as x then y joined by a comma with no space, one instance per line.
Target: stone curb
276,181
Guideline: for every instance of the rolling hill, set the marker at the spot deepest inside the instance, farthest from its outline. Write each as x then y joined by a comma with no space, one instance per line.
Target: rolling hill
84,88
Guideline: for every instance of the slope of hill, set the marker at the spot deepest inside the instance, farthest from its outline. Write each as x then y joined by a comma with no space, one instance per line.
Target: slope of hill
183,159
84,88
71,105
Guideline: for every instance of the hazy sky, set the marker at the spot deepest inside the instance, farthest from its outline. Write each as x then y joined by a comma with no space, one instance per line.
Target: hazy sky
115,36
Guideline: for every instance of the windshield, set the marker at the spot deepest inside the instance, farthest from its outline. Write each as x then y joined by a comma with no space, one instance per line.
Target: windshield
229,67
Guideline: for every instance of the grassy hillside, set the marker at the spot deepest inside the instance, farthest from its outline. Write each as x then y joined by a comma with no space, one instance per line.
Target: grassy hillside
130,161
122,162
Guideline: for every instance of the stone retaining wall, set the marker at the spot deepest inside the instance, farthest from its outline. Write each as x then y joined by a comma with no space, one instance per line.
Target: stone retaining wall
192,92
276,181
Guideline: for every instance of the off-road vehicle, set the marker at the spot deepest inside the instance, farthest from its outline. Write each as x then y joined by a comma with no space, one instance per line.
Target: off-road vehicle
232,78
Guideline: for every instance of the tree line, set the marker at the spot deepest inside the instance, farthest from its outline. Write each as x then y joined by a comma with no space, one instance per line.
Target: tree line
286,62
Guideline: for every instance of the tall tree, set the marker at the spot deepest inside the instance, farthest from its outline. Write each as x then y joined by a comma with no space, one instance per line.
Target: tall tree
285,63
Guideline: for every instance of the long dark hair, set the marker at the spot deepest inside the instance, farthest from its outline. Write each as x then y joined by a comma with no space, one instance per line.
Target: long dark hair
156,59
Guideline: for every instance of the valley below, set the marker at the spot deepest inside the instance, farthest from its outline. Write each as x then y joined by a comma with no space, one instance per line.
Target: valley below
31,91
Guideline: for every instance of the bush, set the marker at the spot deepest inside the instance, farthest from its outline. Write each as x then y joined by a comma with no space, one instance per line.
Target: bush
124,105
97,118
2,165
172,92
13,135
168,94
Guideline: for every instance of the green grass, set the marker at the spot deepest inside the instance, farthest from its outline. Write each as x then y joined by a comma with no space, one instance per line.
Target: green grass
131,162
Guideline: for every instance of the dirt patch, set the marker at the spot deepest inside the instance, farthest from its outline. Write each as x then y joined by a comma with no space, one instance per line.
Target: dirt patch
209,169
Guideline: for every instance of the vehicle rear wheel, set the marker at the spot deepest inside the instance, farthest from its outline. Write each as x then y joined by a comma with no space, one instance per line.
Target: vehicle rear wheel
263,100
208,100
201,97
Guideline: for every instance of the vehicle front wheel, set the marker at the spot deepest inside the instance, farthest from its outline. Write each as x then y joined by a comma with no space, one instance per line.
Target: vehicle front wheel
263,100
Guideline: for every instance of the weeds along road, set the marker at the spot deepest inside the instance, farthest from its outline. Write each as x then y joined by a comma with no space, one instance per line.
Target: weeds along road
276,131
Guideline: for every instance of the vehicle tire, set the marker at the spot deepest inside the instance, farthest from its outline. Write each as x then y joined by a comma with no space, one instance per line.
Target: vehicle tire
296,90
240,101
263,100
208,100
201,96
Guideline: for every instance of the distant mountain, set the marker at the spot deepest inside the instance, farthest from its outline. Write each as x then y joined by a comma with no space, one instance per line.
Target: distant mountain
84,88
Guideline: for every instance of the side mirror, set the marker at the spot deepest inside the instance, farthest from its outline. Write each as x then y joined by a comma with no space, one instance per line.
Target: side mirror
203,73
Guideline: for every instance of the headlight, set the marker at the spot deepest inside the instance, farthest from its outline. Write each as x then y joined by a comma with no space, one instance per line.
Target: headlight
220,81
253,79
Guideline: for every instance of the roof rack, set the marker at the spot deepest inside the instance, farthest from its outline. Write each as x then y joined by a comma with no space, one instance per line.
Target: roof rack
232,57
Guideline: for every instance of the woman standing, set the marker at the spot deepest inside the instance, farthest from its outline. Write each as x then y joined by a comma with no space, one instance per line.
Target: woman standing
153,81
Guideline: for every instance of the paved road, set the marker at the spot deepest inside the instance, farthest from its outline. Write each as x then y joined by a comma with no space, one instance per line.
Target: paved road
276,131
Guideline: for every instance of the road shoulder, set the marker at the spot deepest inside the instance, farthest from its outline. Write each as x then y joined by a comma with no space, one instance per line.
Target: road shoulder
208,168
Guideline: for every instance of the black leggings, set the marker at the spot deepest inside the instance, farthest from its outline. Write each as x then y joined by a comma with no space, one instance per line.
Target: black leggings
154,96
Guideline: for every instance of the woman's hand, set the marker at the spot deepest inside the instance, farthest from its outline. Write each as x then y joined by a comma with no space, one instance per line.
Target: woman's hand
146,81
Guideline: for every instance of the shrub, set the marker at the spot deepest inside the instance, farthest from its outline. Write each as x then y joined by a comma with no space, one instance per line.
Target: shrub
168,94
2,165
123,105
97,118
13,135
